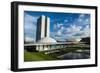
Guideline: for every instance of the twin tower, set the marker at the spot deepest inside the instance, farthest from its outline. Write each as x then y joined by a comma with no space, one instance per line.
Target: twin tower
43,27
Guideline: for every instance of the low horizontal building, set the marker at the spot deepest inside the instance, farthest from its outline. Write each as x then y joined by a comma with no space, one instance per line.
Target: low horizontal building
47,46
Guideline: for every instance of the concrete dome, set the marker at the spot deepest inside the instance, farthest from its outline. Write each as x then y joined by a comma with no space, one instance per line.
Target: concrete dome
47,40
75,40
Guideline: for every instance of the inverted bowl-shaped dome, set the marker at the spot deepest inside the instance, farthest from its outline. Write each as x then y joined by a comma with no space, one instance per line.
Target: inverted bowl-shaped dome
75,40
47,40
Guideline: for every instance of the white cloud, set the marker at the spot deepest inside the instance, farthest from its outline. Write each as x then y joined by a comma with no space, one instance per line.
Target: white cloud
72,32
86,31
58,25
81,15
59,32
87,21
30,26
73,28
30,22
55,26
62,28
29,18
79,20
79,28
66,20
29,39
83,20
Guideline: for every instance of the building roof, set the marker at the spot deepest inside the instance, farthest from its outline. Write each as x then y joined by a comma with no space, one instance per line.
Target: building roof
74,40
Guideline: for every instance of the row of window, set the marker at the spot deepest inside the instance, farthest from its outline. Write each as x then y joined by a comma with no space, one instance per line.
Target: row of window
49,47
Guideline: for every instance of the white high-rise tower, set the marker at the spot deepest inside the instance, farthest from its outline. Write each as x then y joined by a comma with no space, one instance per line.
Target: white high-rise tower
43,30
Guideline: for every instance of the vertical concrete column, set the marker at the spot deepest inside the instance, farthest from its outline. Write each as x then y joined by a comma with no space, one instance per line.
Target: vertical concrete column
40,32
37,47
42,26
47,27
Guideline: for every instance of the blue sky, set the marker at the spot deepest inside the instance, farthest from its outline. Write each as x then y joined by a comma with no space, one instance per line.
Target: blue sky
63,26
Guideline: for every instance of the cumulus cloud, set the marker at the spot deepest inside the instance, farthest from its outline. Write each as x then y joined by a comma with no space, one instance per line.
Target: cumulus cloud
73,28
29,39
81,15
30,18
30,22
83,19
86,31
59,32
79,28
58,26
30,27
66,20
79,32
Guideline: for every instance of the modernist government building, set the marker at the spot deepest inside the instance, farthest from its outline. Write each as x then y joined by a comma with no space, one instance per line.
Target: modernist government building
43,40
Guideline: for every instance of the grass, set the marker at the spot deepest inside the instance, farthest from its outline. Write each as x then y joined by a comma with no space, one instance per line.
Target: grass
37,56
40,56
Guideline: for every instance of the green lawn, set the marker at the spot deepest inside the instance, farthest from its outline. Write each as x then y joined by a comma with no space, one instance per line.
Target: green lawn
37,56
40,56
